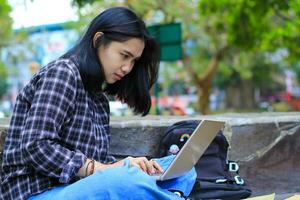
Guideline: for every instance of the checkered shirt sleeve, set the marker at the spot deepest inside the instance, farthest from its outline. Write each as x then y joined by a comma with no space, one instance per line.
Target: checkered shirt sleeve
54,96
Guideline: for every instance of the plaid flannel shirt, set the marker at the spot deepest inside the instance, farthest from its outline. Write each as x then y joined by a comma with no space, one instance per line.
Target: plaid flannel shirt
56,125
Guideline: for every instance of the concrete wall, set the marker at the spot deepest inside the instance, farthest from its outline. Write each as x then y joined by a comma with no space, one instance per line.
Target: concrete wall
266,145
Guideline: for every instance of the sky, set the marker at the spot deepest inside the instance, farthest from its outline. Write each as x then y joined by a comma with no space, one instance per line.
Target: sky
26,13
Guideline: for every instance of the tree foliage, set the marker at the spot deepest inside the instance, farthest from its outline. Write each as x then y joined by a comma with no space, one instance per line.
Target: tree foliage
3,82
6,22
253,31
5,35
233,40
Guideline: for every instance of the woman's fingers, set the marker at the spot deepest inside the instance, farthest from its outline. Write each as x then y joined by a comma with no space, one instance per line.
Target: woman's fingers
142,165
157,167
148,166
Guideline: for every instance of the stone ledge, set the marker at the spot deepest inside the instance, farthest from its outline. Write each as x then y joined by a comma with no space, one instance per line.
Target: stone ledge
257,131
266,144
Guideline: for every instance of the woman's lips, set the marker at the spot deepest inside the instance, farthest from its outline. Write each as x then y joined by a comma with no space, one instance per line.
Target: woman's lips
118,77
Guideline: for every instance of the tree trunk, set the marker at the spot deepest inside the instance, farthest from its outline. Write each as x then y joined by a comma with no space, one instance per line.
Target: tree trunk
203,97
204,82
233,97
248,94
242,96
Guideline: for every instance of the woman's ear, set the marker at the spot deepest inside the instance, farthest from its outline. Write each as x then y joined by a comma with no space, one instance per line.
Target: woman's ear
96,37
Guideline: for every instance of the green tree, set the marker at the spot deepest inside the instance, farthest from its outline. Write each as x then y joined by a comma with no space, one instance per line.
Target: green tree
241,33
3,82
235,34
6,23
5,35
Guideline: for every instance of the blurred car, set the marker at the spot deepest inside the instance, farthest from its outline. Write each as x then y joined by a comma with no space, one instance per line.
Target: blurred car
118,108
290,102
175,105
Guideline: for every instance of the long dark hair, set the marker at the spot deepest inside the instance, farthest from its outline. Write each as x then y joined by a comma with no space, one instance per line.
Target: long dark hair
118,24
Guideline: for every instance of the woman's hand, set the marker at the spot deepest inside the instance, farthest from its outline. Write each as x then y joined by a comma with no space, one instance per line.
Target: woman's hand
148,166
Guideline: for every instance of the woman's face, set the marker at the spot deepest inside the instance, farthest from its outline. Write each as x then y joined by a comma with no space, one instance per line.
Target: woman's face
118,58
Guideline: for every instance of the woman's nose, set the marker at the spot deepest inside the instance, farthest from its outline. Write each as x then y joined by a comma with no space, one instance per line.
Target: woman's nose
127,67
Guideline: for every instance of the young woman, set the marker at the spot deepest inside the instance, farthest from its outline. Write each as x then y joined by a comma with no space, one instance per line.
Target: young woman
58,140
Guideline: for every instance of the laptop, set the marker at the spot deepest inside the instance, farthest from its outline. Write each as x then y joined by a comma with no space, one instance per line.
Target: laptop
192,150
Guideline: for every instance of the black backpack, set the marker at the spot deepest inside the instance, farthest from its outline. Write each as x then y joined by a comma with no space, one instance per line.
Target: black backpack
217,178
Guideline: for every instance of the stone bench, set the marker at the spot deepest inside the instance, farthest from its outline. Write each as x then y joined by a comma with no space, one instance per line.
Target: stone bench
266,145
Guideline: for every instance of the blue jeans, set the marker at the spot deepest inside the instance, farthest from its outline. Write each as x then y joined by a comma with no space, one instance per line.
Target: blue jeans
122,183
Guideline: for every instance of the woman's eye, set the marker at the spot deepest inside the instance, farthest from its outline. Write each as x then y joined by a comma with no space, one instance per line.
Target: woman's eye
125,56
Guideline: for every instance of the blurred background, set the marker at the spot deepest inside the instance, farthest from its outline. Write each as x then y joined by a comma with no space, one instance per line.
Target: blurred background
216,55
